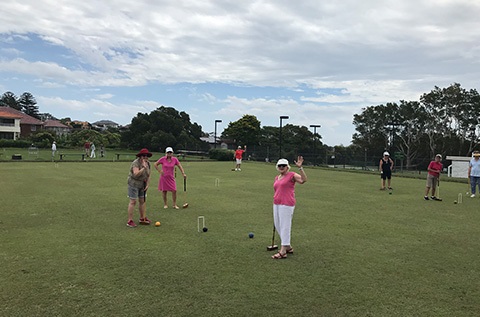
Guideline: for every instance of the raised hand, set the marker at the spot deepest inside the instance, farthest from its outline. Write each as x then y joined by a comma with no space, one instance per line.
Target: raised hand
299,161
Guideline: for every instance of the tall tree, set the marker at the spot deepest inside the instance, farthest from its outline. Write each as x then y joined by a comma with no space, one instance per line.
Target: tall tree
245,131
9,99
163,127
453,113
29,105
412,118
298,140
376,127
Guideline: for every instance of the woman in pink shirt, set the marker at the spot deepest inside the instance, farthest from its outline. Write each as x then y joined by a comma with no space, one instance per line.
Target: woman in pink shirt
433,177
284,202
167,182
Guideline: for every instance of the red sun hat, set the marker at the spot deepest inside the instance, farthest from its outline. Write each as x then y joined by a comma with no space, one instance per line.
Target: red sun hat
144,151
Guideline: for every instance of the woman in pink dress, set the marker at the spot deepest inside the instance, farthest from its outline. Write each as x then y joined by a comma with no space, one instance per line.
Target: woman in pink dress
167,176
284,202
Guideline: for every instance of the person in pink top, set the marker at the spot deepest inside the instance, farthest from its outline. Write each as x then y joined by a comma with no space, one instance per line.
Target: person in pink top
433,177
167,182
284,202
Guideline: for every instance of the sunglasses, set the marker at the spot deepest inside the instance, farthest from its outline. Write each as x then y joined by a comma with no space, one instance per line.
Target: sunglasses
144,155
282,165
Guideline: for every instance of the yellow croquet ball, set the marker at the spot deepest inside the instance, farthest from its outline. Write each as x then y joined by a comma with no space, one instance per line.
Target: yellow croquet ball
157,224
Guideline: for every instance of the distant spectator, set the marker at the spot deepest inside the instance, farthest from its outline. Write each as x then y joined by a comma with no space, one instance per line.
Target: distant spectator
87,148
238,157
92,151
54,148
102,150
474,172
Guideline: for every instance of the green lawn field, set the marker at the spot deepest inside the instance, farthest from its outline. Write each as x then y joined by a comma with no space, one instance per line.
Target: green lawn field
65,249
75,155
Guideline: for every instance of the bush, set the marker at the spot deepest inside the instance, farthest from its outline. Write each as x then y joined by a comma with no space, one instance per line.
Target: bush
42,139
15,143
221,154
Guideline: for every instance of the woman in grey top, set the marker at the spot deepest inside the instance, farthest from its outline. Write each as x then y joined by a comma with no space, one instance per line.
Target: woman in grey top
138,182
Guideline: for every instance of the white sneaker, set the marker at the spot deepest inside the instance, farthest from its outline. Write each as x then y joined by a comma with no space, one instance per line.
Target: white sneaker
472,196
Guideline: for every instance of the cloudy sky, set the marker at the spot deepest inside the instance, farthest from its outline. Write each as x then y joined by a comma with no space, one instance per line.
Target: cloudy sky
318,62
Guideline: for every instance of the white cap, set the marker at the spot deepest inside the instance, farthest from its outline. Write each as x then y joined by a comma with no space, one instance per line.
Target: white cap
439,155
386,153
283,162
168,149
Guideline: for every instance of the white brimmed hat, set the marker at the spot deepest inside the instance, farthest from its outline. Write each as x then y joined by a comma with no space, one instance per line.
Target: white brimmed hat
283,162
168,149
386,153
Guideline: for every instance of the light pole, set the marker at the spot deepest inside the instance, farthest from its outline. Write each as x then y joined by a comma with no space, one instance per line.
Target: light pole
215,136
314,126
280,139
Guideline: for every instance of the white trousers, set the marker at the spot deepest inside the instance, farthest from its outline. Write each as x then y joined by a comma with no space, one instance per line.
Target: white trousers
282,218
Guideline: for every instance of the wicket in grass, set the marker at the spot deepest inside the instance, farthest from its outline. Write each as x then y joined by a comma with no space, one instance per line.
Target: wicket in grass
460,198
202,218
217,182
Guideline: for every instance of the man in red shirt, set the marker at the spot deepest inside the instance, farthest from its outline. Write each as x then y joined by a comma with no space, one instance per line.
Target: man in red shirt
238,156
87,148
434,170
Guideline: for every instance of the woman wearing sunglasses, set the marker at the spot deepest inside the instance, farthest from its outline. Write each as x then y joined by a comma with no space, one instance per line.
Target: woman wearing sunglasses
284,202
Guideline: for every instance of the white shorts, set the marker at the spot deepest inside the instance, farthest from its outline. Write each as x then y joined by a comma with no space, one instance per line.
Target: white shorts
239,161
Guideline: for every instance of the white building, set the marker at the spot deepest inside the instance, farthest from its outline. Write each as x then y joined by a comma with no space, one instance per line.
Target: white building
459,167
9,125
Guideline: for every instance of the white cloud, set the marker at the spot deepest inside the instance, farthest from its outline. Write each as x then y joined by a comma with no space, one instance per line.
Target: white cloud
105,96
100,109
260,43
373,51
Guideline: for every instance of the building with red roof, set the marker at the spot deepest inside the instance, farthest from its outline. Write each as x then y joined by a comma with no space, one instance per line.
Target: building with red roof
15,124
9,125
57,127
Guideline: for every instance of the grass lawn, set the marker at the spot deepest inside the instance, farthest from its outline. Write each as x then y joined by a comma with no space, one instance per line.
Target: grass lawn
75,155
65,249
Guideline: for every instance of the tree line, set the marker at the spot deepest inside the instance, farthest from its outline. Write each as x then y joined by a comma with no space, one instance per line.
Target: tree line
264,142
444,120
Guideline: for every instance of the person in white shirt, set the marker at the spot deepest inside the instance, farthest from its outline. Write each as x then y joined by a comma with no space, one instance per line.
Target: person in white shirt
54,148
92,151
474,172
